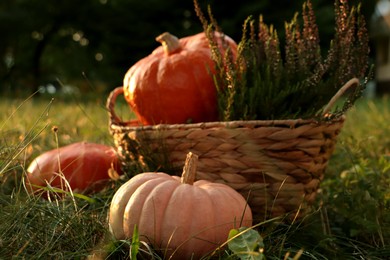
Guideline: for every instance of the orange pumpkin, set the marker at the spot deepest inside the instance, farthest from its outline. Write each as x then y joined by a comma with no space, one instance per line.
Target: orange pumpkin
174,84
183,218
85,166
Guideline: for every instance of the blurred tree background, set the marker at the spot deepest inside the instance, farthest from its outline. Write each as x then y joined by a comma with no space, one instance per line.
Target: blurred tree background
90,44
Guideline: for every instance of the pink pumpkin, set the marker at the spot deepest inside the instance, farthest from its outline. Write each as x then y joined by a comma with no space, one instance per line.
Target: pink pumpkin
185,219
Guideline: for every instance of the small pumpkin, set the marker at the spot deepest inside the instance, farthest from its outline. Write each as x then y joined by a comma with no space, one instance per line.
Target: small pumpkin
185,218
174,84
85,166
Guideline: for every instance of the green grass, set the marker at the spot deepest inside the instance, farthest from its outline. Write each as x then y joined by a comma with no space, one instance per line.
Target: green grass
350,221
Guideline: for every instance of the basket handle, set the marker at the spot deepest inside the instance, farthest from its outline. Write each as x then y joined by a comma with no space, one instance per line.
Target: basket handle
110,105
349,84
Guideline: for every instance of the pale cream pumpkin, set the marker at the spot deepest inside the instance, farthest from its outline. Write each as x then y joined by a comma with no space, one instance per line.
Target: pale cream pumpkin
183,218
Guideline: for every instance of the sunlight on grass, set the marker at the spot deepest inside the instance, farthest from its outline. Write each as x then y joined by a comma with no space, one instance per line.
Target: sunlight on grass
36,228
76,121
369,122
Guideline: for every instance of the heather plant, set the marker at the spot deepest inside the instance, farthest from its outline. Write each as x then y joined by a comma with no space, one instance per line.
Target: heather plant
269,80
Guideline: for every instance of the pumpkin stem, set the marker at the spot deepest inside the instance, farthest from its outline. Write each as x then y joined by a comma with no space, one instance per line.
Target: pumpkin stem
189,169
169,42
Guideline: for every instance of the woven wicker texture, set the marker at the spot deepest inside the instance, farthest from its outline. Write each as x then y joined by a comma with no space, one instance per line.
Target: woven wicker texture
278,165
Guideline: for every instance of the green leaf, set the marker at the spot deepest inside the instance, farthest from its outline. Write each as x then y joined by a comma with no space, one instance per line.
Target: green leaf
246,243
61,191
135,244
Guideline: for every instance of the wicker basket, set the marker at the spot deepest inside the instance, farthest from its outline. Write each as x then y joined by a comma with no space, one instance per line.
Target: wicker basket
277,165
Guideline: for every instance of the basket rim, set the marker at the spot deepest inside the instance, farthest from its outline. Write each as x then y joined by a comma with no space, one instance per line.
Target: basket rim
134,125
